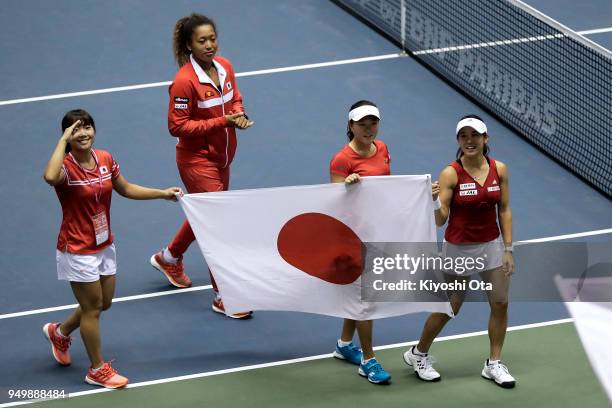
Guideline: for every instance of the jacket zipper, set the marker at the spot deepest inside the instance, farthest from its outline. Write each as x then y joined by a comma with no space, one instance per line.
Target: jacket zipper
226,133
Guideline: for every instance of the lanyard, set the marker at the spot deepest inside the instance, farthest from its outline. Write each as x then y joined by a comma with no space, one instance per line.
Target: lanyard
97,193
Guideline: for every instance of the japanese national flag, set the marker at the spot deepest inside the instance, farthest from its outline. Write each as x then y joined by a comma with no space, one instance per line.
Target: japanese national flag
253,241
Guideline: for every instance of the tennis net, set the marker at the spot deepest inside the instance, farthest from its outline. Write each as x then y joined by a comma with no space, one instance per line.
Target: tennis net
548,83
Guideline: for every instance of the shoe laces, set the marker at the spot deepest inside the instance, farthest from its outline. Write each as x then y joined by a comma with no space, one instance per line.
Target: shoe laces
499,369
175,269
376,368
425,362
352,347
106,371
62,342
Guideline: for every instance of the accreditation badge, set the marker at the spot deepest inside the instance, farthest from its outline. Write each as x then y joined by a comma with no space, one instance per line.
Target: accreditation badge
100,224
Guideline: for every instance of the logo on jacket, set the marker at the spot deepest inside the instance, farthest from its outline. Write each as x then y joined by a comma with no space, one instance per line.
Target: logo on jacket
181,99
103,170
208,94
229,86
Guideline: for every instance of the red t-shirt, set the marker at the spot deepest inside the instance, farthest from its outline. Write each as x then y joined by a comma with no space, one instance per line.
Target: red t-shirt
82,195
473,209
347,162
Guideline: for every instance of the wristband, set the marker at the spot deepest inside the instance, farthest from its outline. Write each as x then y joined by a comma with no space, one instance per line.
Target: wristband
509,248
437,204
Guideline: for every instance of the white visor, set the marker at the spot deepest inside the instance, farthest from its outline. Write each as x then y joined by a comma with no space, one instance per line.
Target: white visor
363,111
477,125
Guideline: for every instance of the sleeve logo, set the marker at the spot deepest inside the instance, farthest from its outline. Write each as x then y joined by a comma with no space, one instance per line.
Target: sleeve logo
229,86
181,99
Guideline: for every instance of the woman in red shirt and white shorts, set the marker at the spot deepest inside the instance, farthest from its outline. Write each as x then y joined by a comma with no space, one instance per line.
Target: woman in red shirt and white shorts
204,111
362,156
84,179
474,196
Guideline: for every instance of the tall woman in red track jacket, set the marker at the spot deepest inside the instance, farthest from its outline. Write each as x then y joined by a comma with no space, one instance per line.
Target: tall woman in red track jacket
205,108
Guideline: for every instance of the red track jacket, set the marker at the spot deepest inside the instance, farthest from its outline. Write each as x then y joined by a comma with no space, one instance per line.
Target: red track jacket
196,115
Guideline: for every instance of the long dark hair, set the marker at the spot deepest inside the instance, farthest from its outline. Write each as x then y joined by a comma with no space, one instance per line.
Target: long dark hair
183,31
363,102
486,149
72,116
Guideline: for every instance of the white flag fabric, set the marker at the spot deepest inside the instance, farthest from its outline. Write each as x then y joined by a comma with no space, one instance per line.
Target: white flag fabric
593,321
239,233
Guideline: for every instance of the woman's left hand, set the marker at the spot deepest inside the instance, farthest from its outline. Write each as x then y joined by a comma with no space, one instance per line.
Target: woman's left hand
170,193
508,263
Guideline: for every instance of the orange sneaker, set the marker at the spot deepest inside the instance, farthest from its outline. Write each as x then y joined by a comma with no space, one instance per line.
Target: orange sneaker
59,344
106,376
217,306
174,272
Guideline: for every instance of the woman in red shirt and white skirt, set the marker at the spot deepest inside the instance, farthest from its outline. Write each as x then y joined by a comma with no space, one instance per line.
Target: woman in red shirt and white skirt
474,197
84,179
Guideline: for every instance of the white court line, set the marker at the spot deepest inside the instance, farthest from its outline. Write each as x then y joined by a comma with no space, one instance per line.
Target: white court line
596,31
205,287
568,236
167,83
508,42
115,300
298,67
287,362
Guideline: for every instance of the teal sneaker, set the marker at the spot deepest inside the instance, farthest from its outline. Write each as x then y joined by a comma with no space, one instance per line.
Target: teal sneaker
350,353
374,372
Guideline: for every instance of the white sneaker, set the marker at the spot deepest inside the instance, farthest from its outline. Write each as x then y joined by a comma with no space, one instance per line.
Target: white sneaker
422,365
499,373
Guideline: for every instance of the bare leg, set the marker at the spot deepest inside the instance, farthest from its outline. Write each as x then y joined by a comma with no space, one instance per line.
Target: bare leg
348,329
436,322
71,323
498,301
92,298
364,330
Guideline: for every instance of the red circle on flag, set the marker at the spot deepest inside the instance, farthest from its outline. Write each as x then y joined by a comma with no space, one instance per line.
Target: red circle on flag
323,247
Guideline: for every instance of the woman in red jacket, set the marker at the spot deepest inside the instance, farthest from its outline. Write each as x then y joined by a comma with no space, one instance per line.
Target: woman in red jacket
204,111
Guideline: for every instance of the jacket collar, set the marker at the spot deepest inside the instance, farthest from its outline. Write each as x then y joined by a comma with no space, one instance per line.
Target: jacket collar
203,77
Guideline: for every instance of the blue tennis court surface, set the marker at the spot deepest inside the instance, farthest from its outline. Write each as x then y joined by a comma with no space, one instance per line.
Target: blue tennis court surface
67,46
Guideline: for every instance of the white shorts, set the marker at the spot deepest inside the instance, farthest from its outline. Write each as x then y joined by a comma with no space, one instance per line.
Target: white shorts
86,268
489,253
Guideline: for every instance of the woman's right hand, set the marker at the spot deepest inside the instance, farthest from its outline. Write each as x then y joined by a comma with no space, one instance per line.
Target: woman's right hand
352,178
435,190
67,136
